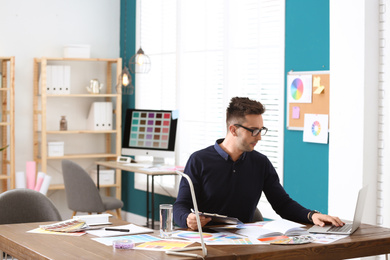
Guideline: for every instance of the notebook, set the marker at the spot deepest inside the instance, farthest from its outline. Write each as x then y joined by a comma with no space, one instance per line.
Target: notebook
348,228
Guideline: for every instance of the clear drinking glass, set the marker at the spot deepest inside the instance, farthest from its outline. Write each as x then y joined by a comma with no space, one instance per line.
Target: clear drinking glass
166,220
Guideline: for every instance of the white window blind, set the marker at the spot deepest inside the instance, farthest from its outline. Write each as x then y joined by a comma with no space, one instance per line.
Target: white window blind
205,52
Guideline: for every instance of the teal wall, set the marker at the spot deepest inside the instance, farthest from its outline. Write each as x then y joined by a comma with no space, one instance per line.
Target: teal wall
134,200
307,49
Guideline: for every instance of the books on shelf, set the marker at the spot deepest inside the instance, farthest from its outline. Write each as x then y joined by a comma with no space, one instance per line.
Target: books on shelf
100,116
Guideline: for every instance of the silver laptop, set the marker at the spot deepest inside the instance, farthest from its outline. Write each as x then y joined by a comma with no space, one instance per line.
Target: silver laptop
348,228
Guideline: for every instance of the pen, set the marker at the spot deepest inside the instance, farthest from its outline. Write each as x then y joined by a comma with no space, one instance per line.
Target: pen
117,229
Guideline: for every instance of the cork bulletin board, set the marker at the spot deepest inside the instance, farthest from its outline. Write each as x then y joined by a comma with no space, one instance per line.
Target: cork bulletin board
320,100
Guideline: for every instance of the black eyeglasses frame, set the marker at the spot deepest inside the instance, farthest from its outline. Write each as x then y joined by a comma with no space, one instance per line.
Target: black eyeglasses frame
255,132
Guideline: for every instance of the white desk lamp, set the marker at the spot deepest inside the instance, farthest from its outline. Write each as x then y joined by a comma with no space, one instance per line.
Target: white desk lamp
203,247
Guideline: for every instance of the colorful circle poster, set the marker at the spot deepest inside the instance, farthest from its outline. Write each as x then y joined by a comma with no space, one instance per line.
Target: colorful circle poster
315,128
299,88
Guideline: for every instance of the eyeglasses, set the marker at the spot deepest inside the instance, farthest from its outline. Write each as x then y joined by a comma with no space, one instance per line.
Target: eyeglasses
255,132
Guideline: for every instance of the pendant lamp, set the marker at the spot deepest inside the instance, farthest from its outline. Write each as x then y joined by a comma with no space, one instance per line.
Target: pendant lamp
140,63
125,79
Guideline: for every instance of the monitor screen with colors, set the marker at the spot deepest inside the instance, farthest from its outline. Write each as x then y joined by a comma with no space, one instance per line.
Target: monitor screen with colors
150,133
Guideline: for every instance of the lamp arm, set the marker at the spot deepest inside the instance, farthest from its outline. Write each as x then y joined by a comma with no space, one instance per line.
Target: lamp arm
204,250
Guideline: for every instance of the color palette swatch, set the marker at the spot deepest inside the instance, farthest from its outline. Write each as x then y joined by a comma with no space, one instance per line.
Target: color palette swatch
194,235
150,129
297,89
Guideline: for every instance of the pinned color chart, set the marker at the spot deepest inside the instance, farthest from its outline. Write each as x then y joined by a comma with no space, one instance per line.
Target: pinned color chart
307,92
299,88
150,129
316,128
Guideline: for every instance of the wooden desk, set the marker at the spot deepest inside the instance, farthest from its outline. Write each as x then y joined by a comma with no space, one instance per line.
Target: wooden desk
124,167
367,240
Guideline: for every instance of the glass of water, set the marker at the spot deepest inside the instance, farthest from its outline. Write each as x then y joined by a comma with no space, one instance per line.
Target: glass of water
166,220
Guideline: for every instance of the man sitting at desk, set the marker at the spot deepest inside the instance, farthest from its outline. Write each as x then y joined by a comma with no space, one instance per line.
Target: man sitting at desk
230,176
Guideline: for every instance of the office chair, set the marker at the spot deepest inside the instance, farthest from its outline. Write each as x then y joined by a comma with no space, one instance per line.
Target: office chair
82,194
25,205
257,216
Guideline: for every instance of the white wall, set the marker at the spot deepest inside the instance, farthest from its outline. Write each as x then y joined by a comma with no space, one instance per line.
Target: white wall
353,151
40,28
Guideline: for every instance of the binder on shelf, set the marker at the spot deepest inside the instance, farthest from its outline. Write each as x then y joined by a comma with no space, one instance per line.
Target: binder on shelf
94,117
55,71
100,116
108,116
57,79
49,80
66,76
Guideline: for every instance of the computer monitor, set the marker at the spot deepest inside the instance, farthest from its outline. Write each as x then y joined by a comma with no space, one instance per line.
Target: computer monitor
150,133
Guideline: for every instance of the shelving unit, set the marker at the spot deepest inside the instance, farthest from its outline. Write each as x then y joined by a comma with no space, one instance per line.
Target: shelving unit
44,104
7,123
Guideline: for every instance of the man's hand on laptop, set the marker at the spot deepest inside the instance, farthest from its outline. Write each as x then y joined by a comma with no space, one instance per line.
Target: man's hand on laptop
191,221
322,219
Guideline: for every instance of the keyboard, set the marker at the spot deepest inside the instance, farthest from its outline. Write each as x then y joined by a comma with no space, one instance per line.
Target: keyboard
345,228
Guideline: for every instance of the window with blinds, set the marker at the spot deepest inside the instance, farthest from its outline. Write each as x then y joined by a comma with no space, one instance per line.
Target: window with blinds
203,53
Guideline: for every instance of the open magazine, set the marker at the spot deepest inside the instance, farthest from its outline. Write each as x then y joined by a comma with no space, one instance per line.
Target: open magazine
280,227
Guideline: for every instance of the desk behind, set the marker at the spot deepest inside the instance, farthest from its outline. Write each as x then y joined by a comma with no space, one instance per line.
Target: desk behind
367,240
130,168
137,169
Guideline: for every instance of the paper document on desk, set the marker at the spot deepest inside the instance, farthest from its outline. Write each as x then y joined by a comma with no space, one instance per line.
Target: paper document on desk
326,239
133,229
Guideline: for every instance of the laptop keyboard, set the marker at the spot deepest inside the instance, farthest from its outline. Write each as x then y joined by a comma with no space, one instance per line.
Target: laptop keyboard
345,228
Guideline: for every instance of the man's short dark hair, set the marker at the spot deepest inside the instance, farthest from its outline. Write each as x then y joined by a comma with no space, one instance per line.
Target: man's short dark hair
239,107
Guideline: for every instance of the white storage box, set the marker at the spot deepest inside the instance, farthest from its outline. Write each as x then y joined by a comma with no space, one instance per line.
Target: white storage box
77,51
106,177
95,219
55,148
